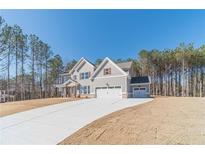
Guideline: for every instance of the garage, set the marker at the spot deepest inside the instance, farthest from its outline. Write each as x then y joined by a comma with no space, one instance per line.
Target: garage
140,92
109,92
140,86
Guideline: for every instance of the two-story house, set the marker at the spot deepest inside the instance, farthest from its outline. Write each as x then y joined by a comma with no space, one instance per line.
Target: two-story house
107,80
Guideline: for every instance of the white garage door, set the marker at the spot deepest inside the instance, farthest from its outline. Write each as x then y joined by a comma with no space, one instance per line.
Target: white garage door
140,92
109,92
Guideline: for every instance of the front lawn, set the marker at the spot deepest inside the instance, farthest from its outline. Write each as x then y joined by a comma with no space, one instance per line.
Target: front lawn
19,106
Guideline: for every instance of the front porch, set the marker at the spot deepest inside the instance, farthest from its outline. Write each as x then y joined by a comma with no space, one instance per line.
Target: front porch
71,91
70,88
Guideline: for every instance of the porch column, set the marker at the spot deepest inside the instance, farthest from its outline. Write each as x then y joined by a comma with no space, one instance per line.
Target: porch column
64,92
78,90
75,91
68,91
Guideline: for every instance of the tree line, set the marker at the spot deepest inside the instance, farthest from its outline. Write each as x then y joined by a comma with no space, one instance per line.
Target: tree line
175,72
172,72
28,67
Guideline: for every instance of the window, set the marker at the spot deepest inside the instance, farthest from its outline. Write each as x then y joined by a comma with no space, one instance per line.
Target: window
75,77
84,75
107,71
65,78
117,86
85,89
110,87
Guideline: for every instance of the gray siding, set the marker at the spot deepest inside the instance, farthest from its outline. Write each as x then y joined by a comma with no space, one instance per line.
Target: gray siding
84,68
116,78
114,70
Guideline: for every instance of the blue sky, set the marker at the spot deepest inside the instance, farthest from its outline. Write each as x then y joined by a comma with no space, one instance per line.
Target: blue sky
114,33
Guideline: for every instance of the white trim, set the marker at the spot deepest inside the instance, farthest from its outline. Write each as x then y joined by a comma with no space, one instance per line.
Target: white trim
107,87
62,74
64,84
78,64
140,83
138,87
75,65
89,63
109,60
116,76
126,84
133,92
69,80
59,85
146,89
98,68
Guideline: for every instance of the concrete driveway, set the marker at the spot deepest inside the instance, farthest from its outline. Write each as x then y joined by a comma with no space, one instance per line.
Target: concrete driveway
51,124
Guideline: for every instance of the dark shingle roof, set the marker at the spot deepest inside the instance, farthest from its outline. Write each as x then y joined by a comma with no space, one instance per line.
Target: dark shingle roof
140,79
90,62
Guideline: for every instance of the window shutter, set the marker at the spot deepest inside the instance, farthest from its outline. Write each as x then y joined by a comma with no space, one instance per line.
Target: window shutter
88,74
80,76
109,71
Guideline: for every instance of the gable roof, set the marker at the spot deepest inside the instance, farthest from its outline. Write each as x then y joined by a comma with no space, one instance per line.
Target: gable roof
68,81
125,65
140,79
64,73
103,62
90,62
78,64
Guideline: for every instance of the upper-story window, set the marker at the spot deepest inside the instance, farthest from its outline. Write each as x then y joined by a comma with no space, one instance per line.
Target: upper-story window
74,77
85,75
107,71
65,78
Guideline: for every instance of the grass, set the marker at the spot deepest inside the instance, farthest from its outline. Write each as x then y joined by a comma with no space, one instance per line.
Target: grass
20,106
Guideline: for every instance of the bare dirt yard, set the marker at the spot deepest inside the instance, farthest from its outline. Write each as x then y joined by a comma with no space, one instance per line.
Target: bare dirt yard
165,120
19,106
